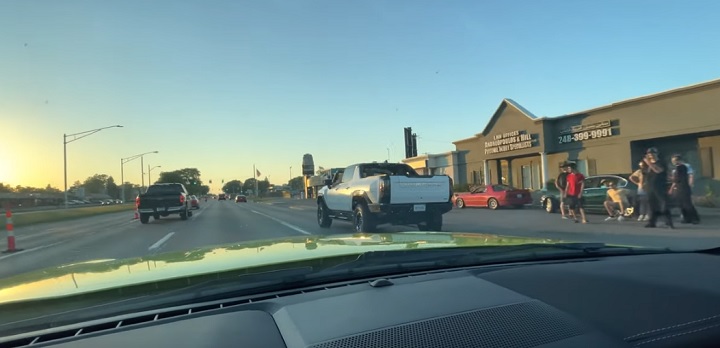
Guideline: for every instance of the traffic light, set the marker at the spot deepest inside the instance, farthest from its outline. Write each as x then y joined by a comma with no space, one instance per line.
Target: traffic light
210,181
223,181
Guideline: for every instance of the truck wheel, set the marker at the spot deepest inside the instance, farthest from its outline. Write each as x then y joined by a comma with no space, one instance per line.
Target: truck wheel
323,217
433,223
363,220
156,217
184,215
144,218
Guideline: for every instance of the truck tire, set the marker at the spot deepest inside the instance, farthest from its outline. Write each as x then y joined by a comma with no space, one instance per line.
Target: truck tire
144,218
363,220
156,217
323,217
433,223
184,215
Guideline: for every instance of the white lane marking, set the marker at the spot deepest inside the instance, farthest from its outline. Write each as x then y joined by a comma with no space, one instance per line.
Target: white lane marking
282,223
195,215
30,250
161,241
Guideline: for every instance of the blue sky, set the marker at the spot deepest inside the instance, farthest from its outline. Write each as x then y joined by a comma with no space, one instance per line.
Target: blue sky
223,85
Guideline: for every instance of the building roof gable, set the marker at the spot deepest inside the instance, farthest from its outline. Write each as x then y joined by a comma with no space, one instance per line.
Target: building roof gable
505,103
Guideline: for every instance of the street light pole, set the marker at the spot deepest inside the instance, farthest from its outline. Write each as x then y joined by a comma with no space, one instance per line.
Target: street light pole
122,169
142,174
149,170
76,136
65,167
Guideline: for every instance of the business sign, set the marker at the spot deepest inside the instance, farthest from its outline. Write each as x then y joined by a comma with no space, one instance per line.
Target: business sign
510,141
586,132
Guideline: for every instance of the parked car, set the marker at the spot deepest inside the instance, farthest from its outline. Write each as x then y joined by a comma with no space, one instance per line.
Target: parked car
194,202
493,197
240,198
595,194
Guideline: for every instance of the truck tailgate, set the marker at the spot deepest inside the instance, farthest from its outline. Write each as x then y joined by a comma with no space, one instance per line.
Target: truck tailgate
422,189
160,201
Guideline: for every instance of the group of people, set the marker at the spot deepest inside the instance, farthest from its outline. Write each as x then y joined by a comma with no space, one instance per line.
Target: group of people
654,193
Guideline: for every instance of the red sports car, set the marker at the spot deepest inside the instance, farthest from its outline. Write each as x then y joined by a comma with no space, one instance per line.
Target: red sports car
493,197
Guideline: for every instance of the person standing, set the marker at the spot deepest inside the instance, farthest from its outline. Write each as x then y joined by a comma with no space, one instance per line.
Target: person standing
638,178
682,191
657,188
561,185
573,193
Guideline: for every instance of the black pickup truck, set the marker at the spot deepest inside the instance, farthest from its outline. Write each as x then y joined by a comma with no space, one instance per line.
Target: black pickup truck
163,200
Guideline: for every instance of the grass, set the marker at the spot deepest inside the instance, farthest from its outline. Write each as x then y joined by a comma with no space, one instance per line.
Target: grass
31,218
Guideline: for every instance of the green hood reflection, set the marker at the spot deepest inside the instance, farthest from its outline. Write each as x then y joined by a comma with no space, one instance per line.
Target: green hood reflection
115,274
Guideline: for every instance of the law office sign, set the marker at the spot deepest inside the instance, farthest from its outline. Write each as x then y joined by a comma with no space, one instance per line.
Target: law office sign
510,141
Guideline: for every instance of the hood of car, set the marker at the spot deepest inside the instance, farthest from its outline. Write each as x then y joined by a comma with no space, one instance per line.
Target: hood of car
96,275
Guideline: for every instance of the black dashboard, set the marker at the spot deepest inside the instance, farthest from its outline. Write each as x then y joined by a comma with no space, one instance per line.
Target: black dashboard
669,300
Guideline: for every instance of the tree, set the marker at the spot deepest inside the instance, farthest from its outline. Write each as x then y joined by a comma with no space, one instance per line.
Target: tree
233,186
263,186
131,191
95,183
249,185
50,189
190,177
112,189
5,188
297,183
204,189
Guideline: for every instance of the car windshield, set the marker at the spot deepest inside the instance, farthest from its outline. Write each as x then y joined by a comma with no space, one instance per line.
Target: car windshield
365,126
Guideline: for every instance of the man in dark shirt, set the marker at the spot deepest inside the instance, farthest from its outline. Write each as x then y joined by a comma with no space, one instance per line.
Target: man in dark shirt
682,193
657,188
561,185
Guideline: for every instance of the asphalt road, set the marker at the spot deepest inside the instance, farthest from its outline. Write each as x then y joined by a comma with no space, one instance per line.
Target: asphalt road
118,235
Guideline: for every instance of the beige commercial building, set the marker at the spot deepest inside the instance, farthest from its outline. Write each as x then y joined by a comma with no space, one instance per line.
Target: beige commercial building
523,150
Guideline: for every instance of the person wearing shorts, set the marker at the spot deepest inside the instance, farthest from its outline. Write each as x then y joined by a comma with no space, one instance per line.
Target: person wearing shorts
573,193
617,201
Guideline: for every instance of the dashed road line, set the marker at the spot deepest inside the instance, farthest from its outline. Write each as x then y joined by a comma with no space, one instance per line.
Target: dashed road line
162,241
298,229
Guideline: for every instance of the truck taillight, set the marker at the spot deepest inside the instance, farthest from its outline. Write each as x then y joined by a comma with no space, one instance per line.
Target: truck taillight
182,198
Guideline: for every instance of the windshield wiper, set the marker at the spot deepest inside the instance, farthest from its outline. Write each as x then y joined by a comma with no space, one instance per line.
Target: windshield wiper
449,257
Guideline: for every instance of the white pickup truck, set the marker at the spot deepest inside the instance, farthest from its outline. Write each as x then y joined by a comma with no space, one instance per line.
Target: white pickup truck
370,194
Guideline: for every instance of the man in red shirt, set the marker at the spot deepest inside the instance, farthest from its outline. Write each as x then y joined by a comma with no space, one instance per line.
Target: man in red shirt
573,193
